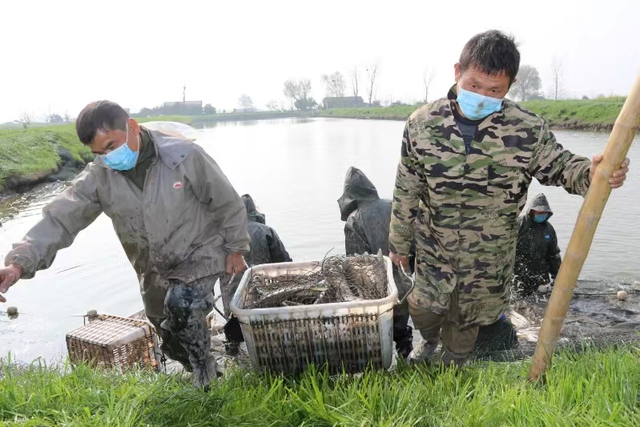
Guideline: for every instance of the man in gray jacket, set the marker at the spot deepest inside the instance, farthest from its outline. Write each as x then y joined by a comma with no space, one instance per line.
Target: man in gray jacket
180,222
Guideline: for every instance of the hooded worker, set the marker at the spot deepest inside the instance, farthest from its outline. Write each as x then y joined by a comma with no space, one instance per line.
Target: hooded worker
537,252
265,248
179,220
366,230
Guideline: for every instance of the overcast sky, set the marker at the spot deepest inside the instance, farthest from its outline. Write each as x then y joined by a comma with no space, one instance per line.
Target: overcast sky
59,55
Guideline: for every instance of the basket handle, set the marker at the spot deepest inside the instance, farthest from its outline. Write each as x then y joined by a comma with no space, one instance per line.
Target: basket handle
413,284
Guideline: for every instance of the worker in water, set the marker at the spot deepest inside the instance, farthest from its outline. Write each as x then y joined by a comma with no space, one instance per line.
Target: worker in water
537,252
469,158
265,248
180,222
366,230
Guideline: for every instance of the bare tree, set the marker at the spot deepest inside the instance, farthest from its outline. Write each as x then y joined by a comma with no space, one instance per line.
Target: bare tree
26,118
354,81
298,91
527,83
67,117
335,84
427,78
245,101
556,68
272,105
372,72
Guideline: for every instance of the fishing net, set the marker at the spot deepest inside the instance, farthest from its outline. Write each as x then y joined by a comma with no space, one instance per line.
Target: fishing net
338,279
596,319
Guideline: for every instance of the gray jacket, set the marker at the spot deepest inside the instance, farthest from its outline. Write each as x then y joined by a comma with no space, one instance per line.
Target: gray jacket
181,226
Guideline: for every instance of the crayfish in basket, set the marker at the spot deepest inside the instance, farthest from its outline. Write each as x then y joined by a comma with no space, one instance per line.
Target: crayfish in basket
339,279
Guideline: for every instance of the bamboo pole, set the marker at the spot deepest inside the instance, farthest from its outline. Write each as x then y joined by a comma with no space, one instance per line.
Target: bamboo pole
614,154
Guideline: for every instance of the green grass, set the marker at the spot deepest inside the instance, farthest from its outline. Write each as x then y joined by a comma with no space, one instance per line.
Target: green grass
592,114
573,113
595,388
34,152
195,120
375,113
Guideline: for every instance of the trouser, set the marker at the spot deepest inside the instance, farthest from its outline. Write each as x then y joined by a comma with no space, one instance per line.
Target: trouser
179,316
457,343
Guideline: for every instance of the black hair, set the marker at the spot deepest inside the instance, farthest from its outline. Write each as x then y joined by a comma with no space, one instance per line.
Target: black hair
100,116
491,52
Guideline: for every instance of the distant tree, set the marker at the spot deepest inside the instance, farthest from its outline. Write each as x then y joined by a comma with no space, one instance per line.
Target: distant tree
298,91
354,81
305,104
585,97
26,118
273,105
245,101
67,117
209,109
55,118
556,68
335,84
427,78
372,72
527,83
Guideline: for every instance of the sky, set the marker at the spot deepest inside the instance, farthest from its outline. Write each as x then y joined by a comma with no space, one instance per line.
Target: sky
57,56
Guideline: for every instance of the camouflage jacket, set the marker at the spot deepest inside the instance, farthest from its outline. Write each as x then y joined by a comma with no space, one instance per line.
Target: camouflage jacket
468,227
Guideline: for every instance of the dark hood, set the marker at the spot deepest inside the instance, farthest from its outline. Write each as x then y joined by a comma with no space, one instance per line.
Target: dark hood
538,203
358,191
252,212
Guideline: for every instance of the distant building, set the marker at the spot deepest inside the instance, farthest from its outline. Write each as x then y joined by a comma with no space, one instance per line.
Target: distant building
185,108
342,102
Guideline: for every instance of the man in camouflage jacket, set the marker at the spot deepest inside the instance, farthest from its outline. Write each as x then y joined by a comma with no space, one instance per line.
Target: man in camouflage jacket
468,160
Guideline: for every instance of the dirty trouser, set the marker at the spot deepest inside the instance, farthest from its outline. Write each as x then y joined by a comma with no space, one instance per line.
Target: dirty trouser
154,296
183,325
433,327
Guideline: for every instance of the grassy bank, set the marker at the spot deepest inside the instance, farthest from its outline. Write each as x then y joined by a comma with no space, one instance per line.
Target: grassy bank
225,117
592,389
30,155
593,114
372,113
587,114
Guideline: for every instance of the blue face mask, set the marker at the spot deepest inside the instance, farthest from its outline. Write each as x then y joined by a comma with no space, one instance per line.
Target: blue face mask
540,218
122,158
475,106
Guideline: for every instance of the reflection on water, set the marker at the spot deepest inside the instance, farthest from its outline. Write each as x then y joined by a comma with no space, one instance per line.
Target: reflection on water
294,169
